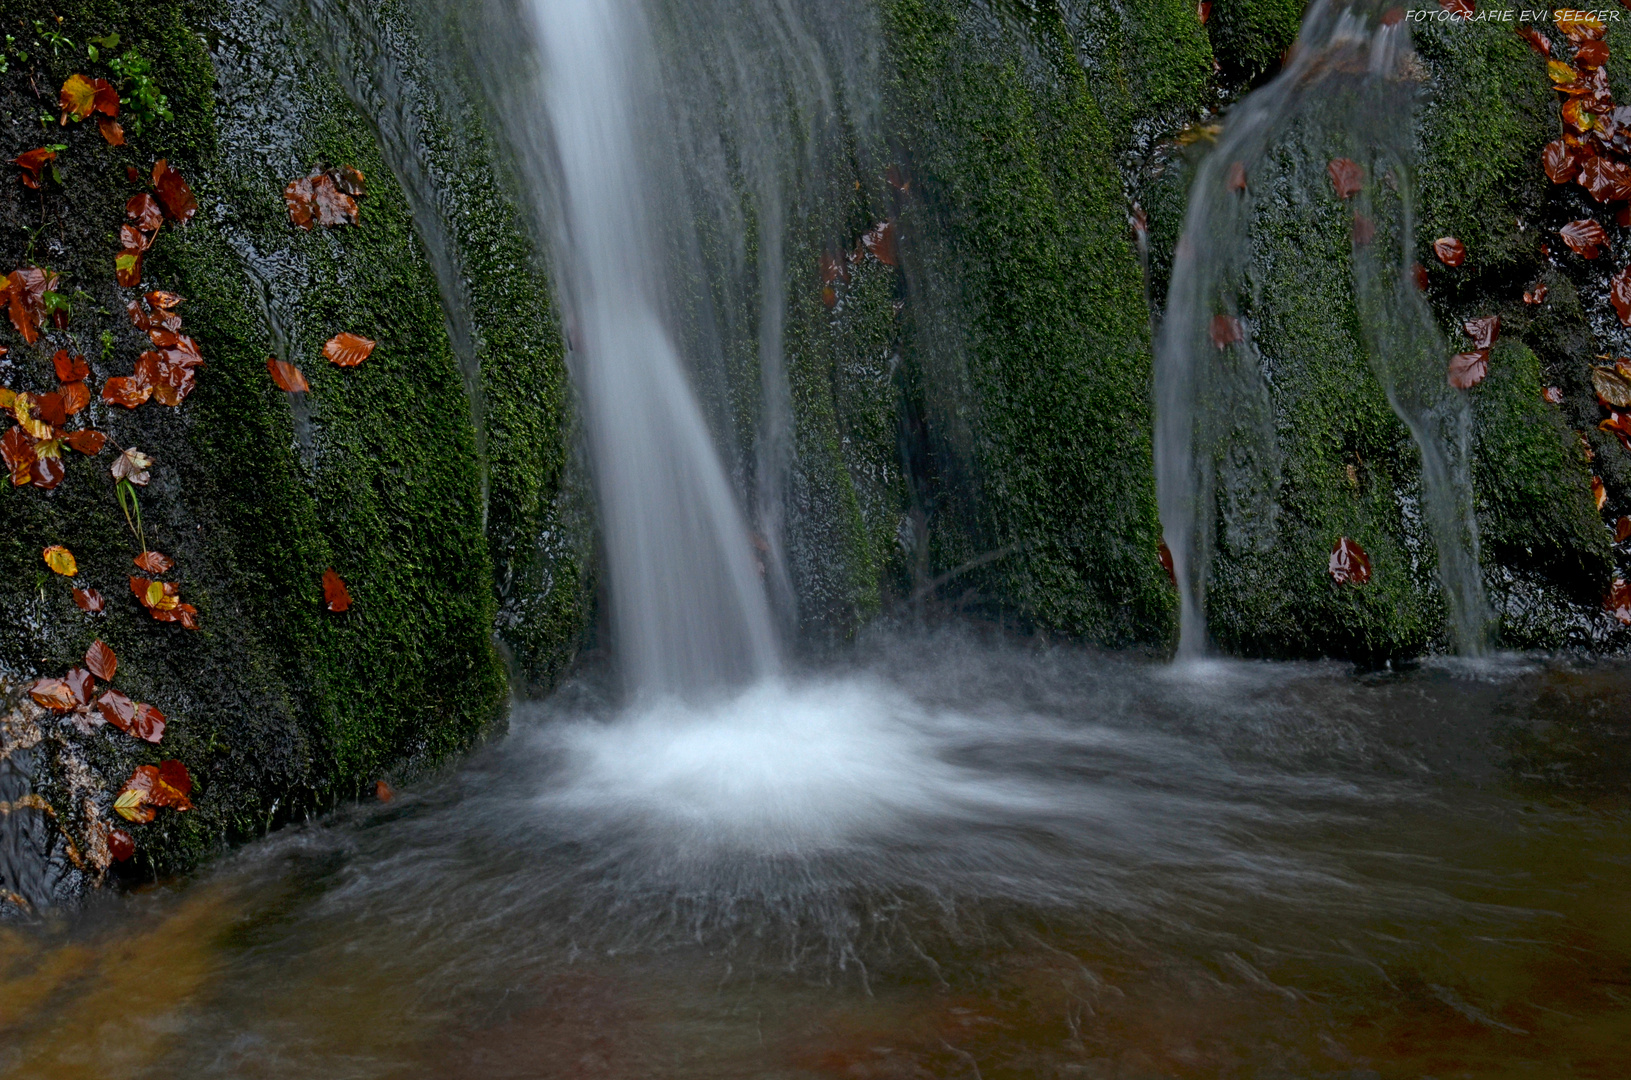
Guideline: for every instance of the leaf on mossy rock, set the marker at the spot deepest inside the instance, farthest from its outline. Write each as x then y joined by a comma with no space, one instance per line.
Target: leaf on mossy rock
1537,41
1225,330
1559,161
101,660
287,376
126,390
1585,238
1622,529
1348,564
1461,9
347,350
33,163
75,396
1612,387
879,242
1618,601
1468,369
81,681
174,195
132,465
154,562
121,847
1163,555
25,292
1450,251
1537,294
1599,493
70,368
78,96
53,694
1346,176
1591,54
134,718
1483,330
89,600
1619,294
335,595
112,131
61,560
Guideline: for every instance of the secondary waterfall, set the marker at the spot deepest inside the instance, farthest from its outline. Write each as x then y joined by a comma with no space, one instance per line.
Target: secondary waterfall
1347,91
688,607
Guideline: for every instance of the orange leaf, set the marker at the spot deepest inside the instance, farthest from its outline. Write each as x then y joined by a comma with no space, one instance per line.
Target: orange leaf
61,560
111,130
54,694
19,456
107,98
335,595
1599,493
28,288
75,396
33,163
879,242
100,659
81,682
126,390
1225,331
298,197
1622,529
89,600
1450,251
143,210
51,409
1468,369
348,350
287,376
154,563
1349,563
70,368
1536,295
174,194
334,207
77,97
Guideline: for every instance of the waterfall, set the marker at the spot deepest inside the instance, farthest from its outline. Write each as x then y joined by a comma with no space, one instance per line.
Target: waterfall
689,610
1347,91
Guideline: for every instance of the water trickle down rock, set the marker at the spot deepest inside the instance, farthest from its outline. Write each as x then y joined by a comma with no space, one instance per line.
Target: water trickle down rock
1347,92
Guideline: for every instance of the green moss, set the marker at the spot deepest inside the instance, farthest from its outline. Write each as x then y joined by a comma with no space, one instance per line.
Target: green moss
1249,36
1148,65
1035,369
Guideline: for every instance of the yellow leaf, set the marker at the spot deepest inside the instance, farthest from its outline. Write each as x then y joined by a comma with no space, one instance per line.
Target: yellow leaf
1560,73
23,409
78,97
132,806
155,593
51,448
61,560
8,397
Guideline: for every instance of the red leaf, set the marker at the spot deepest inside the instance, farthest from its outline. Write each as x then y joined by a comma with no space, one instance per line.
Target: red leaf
1585,238
18,451
54,694
33,163
1619,294
144,212
1346,176
75,396
117,709
1419,272
89,600
1225,331
86,440
153,562
126,390
1468,369
1203,10
1163,554
120,846
1559,161
1349,563
348,350
1607,181
287,376
111,130
1622,529
1450,251
174,194
1591,54
106,100
879,242
383,792
1483,331
335,595
173,774
81,682
1618,601
48,472
1599,493
70,368
51,408
100,659
1537,41
27,288
1364,229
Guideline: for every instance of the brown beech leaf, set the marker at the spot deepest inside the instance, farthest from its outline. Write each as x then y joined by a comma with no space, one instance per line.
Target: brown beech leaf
81,682
1622,529
1619,294
297,195
1349,563
1450,251
1461,9
153,786
834,267
27,289
1578,26
287,376
177,785
1536,295
61,560
1537,41
54,694
100,659
879,242
1618,424
1418,273
1618,601
117,709
1559,161
1606,180
132,465
1346,176
1468,369
121,848
1225,331
349,180
75,396
51,409
383,792
126,390
348,350
89,600
154,562
77,96
1585,238
1163,555
18,452
174,194
1576,116
143,211
127,267
1237,176
111,130
334,207
1483,330
33,163
1613,388
1591,54
70,368
335,595
1599,493
1552,395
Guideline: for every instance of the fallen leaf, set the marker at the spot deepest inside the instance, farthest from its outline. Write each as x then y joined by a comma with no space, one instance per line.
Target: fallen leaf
19,456
879,242
174,776
154,562
829,296
348,350
896,178
1225,331
152,786
1606,180
1346,176
1622,529
1599,493
127,267
1585,237
1591,54
133,718
1619,294
1618,601
1419,273
131,804
1483,330
1203,10
75,396
334,207
1619,425
100,659
121,848
89,600
33,163
27,289
81,681
143,211
1612,387
70,368
51,409
1364,229
349,180
383,792
127,391
1163,555
298,197
1578,26
174,194
61,560
1468,369
1536,295
1237,176
1552,395
1559,162
1537,41
335,595
111,130
77,96
1349,563
1450,251
1461,9
287,376
54,694
132,465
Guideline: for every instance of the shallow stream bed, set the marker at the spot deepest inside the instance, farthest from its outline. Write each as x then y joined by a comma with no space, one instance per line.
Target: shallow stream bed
954,857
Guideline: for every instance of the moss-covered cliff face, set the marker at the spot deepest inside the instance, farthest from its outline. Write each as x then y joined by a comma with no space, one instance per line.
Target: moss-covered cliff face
275,705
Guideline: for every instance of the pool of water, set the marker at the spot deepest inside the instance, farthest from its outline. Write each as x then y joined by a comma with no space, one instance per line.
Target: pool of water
953,856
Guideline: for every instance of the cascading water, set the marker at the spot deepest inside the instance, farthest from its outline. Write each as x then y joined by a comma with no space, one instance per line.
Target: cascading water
1348,91
689,610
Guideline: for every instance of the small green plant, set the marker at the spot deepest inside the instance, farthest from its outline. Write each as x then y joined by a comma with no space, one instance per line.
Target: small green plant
143,102
58,41
94,47
125,491
107,346
11,52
